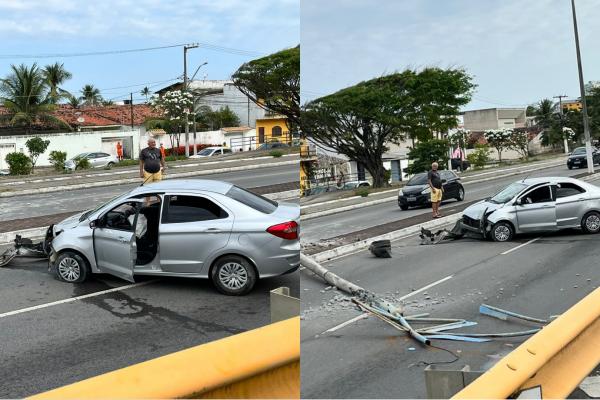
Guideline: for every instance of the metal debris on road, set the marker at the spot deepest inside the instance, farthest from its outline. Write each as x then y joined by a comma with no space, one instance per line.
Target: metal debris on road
24,247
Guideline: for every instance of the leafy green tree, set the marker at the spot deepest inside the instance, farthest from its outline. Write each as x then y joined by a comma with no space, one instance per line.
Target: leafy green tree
519,141
273,83
36,146
74,101
90,95
360,121
18,164
213,120
173,106
480,156
426,153
24,94
57,159
55,75
500,139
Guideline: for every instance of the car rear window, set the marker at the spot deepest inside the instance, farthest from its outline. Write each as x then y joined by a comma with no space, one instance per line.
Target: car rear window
252,200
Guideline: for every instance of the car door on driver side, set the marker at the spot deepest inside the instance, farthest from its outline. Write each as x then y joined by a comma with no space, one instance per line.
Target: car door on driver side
570,204
192,228
536,210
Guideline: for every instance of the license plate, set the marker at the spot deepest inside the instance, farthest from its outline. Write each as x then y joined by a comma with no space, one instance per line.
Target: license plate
412,198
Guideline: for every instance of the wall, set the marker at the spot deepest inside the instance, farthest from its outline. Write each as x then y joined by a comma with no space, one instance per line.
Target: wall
236,101
480,120
74,143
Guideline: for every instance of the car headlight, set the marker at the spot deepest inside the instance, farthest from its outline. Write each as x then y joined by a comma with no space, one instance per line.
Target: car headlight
400,193
426,191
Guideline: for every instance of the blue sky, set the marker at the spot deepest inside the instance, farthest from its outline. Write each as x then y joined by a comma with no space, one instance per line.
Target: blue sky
34,27
518,51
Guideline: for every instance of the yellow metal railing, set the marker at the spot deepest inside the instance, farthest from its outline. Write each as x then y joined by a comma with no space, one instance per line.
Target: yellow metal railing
555,360
262,363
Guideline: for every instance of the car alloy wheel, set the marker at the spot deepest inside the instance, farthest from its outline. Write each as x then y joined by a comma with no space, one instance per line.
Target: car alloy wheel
69,269
591,222
502,232
461,194
233,276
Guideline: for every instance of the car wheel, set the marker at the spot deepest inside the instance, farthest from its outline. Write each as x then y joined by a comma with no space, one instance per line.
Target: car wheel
71,267
110,165
461,194
502,232
233,275
570,166
404,208
590,222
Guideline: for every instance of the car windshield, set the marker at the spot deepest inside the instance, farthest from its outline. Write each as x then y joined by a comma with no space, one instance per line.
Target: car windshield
579,150
205,152
418,179
78,156
90,212
508,193
253,200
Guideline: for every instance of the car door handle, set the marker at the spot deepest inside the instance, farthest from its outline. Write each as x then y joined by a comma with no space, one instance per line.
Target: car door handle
213,230
547,206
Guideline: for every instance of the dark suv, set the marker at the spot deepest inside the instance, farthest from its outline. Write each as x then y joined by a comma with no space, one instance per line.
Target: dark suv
417,192
578,158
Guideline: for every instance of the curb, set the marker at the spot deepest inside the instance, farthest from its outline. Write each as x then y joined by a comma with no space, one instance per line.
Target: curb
388,199
361,245
137,180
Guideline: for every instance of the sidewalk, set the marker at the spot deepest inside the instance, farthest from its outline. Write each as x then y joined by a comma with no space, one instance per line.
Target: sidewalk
96,178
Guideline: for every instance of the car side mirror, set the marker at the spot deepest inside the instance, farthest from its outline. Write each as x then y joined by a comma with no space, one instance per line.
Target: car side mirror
444,180
94,224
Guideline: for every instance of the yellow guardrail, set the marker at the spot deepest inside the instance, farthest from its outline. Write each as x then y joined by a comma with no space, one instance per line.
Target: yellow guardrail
262,363
554,360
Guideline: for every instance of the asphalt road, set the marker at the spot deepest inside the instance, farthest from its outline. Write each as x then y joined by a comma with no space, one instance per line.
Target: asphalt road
63,343
317,229
369,359
52,203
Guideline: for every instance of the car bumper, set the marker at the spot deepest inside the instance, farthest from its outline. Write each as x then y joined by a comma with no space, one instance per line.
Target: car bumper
577,163
413,201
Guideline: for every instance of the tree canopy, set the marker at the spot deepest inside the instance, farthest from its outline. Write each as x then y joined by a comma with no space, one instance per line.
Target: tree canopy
273,83
360,121
221,118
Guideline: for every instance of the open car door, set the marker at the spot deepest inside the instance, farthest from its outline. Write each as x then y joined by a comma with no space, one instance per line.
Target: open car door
115,245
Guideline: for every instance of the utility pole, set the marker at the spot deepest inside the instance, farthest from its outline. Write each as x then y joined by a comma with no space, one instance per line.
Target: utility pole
131,108
586,125
560,111
185,84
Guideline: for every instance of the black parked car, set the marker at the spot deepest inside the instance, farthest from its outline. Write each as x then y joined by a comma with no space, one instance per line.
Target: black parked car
417,192
459,165
578,158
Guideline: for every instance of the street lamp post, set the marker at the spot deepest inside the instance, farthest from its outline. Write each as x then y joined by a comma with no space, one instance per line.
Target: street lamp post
586,126
194,105
185,83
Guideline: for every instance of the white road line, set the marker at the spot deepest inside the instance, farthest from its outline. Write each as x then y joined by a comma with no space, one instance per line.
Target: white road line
72,299
521,245
365,315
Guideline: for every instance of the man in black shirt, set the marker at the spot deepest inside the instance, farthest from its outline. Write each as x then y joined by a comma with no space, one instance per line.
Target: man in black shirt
435,185
152,163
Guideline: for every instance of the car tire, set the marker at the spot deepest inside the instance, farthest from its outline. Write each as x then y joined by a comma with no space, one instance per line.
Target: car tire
570,166
461,194
110,165
404,208
590,223
502,232
71,267
233,275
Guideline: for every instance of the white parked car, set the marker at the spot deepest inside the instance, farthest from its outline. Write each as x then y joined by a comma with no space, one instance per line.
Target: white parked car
212,151
97,160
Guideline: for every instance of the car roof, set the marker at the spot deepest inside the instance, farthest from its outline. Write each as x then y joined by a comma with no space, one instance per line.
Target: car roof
549,179
206,185
213,148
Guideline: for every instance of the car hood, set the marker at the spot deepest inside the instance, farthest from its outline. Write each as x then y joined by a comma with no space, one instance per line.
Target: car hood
476,210
575,156
68,223
412,189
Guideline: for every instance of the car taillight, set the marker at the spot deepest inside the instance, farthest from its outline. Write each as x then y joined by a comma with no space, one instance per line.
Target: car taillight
287,230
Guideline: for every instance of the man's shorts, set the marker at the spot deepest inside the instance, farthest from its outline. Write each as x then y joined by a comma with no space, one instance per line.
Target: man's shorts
149,178
436,195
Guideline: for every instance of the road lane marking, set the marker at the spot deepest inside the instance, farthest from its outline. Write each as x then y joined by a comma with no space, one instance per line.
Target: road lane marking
519,246
406,296
72,299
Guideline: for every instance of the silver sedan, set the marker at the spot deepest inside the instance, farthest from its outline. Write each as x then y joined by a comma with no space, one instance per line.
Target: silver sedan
536,205
184,228
96,160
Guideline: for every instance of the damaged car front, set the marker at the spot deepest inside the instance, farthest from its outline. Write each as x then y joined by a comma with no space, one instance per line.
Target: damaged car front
494,217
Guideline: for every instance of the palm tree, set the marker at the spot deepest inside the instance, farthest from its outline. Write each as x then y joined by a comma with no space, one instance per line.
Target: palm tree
90,95
548,121
24,93
145,92
55,75
74,101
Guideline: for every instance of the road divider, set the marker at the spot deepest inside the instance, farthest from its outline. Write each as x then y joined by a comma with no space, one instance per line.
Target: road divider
88,185
261,363
552,363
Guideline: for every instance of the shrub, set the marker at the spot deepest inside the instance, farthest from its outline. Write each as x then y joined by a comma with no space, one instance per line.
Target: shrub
480,156
82,163
276,153
180,151
362,192
18,164
127,163
36,146
425,153
175,158
57,159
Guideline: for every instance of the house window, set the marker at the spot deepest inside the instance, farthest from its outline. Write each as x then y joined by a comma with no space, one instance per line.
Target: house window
276,131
